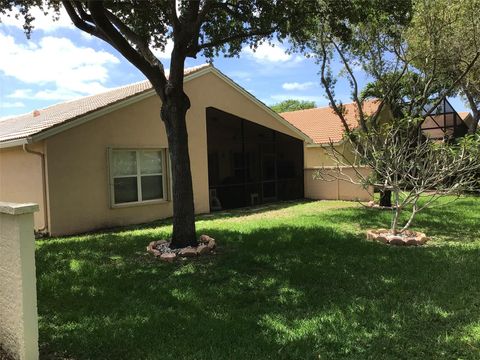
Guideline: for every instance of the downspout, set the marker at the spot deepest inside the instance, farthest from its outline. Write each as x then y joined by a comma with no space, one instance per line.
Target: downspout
44,187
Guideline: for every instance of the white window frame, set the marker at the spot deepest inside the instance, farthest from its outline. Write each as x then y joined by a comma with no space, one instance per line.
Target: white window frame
164,174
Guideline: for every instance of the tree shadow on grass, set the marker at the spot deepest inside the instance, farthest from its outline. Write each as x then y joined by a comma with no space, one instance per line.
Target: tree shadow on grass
217,215
284,291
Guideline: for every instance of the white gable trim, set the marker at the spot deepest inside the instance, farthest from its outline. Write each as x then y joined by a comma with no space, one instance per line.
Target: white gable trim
13,143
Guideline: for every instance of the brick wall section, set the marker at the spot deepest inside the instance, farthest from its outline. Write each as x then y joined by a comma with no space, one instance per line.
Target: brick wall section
18,295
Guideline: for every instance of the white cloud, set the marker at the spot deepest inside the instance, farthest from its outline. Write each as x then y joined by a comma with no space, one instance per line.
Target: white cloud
9,105
21,94
240,75
48,94
73,70
166,53
86,36
298,86
271,53
41,22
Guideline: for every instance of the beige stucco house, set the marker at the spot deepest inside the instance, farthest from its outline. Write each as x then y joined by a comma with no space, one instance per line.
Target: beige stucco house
324,127
102,161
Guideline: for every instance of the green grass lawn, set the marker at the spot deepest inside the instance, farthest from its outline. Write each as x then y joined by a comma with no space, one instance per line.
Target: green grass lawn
289,281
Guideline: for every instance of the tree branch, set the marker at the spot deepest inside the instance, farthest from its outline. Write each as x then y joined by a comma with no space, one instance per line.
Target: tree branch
118,41
454,84
326,85
238,36
359,103
139,42
80,23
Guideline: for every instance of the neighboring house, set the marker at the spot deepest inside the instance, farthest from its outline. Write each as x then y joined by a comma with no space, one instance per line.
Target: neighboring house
102,161
323,126
467,118
446,123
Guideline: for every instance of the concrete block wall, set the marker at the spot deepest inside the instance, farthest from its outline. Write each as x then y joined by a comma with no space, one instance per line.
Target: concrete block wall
18,294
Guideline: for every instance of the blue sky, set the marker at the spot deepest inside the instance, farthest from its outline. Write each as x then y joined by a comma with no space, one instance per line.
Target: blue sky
60,63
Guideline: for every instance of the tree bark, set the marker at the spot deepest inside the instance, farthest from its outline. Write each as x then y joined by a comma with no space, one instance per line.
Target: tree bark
474,125
472,129
396,215
173,113
386,198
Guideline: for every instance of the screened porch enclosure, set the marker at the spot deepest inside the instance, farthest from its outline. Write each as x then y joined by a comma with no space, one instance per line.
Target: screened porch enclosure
444,123
250,164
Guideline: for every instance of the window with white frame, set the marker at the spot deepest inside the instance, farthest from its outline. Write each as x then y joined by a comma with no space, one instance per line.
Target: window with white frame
137,175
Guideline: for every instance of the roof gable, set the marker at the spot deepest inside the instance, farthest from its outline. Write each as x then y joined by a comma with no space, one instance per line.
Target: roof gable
53,119
323,125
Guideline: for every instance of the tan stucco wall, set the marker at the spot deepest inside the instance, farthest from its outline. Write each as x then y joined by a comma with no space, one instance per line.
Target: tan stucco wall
318,157
77,160
78,169
21,178
336,188
18,299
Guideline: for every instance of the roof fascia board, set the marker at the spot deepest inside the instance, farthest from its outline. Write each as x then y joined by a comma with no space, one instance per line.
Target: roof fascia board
13,143
315,145
249,96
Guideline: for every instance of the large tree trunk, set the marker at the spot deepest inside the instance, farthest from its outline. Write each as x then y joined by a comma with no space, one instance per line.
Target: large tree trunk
174,110
386,198
472,129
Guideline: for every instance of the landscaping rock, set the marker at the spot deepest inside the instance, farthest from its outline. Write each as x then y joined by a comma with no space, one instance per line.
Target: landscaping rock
203,249
204,239
371,234
422,240
212,244
408,237
188,252
161,249
382,239
411,241
168,257
396,240
371,203
150,246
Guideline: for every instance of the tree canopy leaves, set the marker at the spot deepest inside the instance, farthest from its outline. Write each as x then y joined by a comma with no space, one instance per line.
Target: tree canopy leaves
292,105
443,38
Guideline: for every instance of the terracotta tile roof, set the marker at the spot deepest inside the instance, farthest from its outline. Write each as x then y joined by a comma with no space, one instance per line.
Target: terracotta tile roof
21,126
463,114
323,124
